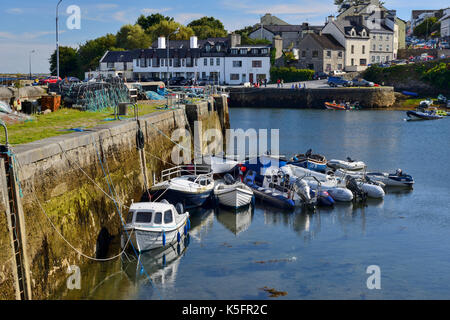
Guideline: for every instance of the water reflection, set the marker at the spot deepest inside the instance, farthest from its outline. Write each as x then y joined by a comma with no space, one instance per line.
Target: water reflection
237,221
202,221
161,265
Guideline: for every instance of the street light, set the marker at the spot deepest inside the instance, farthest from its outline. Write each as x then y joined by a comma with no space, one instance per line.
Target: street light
57,40
168,47
33,51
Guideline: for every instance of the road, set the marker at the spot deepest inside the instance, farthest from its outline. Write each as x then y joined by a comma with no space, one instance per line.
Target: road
313,84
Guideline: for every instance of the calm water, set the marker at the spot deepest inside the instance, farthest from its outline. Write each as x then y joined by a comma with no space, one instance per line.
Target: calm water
320,256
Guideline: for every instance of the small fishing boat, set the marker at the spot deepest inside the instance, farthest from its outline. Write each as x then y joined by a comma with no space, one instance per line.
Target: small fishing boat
153,225
192,185
268,195
423,115
335,106
219,164
233,194
409,93
350,164
310,161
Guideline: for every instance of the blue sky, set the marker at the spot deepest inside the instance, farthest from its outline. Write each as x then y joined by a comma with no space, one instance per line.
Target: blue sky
31,26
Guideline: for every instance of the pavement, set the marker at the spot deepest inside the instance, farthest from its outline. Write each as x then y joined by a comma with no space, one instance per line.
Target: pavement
313,84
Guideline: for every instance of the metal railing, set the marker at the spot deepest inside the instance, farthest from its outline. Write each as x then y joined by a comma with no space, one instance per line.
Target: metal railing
201,171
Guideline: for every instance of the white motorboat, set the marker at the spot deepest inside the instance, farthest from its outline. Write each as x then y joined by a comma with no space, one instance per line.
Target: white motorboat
190,185
347,165
153,225
233,194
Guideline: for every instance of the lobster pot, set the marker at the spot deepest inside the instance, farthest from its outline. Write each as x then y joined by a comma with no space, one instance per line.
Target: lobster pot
123,108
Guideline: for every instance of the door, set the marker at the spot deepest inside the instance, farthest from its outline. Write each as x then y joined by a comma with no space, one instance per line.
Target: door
251,77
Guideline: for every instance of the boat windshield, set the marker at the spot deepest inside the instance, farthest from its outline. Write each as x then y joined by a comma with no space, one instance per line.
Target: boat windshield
143,217
158,218
168,218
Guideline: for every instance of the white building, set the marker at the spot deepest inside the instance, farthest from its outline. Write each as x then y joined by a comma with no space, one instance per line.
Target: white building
114,64
222,59
354,37
445,23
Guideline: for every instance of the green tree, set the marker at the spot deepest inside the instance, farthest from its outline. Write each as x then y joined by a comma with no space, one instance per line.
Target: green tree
93,50
132,37
148,21
165,28
208,27
69,63
427,27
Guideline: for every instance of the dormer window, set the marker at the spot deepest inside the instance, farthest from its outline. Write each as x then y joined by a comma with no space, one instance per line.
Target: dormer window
353,33
208,48
364,33
234,51
243,51
218,47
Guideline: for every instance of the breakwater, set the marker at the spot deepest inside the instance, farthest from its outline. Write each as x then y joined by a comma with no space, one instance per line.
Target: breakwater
380,97
63,181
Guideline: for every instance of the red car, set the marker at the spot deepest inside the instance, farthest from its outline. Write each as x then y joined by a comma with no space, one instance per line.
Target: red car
51,79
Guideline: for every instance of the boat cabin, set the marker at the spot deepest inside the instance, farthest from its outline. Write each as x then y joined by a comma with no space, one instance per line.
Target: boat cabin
152,214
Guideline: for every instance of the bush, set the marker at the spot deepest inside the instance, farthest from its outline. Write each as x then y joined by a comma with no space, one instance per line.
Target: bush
439,75
291,74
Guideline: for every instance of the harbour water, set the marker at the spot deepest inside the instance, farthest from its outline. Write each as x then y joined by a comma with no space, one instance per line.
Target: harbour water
304,256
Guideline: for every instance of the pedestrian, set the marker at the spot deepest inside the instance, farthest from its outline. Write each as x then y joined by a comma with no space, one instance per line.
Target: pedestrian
282,83
265,82
296,86
278,83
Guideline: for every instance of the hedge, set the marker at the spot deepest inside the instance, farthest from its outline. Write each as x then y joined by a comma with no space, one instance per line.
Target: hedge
291,74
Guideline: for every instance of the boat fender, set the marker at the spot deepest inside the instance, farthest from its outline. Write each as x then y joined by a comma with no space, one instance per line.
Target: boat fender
178,237
164,260
140,140
188,224
164,239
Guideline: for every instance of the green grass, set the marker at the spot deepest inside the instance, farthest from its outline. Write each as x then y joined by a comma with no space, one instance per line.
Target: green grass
53,124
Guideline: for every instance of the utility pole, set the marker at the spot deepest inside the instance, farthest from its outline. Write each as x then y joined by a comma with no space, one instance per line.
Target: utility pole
57,40
30,61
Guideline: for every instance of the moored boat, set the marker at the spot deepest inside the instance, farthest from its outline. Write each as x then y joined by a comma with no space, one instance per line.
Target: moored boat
310,161
152,225
335,106
233,194
423,115
350,164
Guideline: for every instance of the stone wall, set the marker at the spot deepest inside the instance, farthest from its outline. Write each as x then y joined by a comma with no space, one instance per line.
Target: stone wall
309,98
79,209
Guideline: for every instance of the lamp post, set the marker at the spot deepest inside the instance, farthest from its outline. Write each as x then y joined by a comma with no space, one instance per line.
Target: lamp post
57,40
32,51
168,48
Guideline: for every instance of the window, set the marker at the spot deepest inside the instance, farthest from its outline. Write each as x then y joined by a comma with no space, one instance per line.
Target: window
387,58
363,49
143,217
381,37
168,217
243,51
237,64
211,61
110,65
303,53
340,54
254,51
315,54
264,51
353,49
234,76
203,75
380,48
362,62
374,37
256,64
339,66
158,218
328,53
387,37
218,62
374,47
373,59
353,62
387,47
205,62
378,58
137,63
208,48
328,68
234,51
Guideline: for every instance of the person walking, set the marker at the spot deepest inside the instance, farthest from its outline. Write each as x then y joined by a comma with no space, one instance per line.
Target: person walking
282,83
265,82
278,83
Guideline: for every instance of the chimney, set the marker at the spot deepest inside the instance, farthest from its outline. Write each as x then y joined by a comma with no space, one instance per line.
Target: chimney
194,42
162,43
330,18
235,39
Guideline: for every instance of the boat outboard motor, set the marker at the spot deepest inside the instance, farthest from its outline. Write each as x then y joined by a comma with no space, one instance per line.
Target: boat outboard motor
352,185
308,153
303,190
229,180
350,159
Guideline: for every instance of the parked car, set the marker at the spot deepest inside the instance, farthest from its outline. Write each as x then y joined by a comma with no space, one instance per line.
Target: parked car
320,76
339,81
337,72
48,80
359,82
207,81
177,81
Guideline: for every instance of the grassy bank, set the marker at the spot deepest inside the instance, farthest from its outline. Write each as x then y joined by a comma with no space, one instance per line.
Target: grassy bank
62,121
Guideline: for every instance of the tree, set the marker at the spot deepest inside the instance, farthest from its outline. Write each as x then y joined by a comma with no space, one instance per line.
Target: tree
208,27
245,39
427,27
69,63
151,20
165,28
93,50
132,37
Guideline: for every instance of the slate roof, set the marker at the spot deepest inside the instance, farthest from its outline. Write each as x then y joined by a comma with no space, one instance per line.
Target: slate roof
120,56
326,41
346,26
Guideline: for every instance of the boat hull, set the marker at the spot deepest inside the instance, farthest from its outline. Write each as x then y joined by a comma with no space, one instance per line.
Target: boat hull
267,196
422,115
234,197
189,200
311,165
340,164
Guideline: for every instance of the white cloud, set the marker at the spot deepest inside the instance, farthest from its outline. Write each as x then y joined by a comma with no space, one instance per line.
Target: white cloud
14,11
149,11
106,6
185,18
120,16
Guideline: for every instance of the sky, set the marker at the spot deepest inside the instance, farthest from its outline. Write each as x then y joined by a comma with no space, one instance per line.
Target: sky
31,26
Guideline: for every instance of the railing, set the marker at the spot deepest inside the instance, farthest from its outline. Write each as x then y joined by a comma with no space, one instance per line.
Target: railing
201,171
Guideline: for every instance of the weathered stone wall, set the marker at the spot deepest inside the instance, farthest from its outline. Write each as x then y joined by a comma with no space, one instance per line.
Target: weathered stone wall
309,98
78,208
